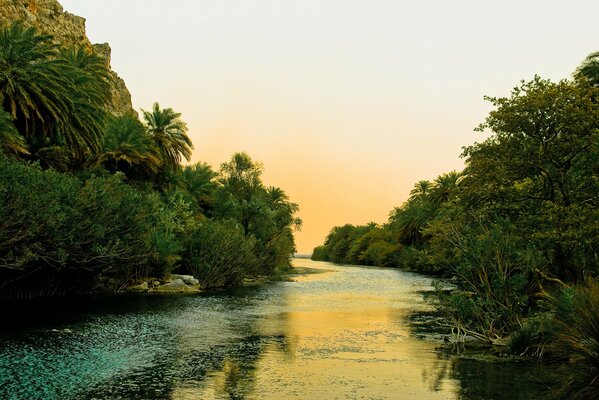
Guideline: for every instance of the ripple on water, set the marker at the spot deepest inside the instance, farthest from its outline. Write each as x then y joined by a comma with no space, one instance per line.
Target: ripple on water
340,334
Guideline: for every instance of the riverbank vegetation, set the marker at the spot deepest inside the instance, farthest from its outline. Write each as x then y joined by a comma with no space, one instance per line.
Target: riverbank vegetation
91,201
517,230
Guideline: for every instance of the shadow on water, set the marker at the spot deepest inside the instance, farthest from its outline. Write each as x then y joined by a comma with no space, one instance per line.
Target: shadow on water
479,377
137,347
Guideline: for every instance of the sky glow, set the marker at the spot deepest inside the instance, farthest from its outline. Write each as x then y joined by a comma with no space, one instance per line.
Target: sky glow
347,103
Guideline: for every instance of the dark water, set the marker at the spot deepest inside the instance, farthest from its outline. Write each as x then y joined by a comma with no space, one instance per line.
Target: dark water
341,334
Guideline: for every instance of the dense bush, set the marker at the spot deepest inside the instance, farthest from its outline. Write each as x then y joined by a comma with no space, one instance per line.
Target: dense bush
57,235
219,254
576,341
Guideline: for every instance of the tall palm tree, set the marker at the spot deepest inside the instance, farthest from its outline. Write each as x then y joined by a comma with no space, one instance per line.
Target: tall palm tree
409,221
198,182
420,190
33,87
589,69
279,203
91,95
93,74
128,148
56,98
444,186
170,135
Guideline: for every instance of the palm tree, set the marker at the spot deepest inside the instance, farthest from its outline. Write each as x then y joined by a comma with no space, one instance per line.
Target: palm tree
444,186
589,69
198,182
11,143
420,190
128,148
56,98
91,96
33,87
170,135
93,74
410,220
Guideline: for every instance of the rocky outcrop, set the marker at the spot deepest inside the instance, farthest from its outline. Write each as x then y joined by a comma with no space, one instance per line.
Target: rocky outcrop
68,29
170,284
176,286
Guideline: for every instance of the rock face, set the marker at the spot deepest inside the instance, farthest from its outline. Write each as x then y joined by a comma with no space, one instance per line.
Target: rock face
67,29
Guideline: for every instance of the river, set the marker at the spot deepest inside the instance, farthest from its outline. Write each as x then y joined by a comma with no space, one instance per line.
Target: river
342,333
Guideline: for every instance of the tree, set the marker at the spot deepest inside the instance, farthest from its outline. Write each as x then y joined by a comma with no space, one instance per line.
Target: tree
198,184
91,94
540,169
241,184
128,148
421,189
33,87
263,213
589,69
56,97
444,187
170,135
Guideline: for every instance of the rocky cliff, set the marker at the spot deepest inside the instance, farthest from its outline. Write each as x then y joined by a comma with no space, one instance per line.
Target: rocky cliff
67,29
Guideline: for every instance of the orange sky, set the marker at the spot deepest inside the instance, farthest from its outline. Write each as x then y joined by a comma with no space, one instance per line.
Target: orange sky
347,103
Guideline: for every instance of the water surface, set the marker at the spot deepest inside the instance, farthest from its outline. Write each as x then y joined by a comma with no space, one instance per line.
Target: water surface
344,333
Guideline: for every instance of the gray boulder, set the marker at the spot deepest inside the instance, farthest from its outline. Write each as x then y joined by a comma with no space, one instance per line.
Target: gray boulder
176,286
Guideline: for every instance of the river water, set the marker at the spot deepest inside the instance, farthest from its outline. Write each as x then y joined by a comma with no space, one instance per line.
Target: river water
342,333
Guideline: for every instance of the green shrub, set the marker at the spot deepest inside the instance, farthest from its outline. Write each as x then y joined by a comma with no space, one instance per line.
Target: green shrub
576,343
320,254
219,254
57,235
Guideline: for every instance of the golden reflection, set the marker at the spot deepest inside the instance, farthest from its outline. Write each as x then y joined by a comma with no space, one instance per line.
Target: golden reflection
320,343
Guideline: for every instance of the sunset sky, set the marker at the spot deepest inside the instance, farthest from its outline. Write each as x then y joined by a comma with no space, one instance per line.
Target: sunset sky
347,103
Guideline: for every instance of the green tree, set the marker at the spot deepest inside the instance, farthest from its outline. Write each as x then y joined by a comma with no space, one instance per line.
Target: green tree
33,87
420,190
540,169
241,183
53,96
589,69
169,133
128,148
199,186
91,93
444,186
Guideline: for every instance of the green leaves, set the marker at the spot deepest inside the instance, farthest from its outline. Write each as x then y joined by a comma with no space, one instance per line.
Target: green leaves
169,133
589,69
55,96
126,147
11,143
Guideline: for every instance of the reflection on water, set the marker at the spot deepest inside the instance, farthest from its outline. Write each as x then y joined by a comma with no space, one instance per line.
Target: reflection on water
340,334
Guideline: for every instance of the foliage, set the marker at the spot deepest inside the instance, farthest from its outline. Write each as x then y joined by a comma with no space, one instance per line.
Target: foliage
576,344
125,208
128,148
265,214
589,69
169,133
58,235
219,254
11,143
56,97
